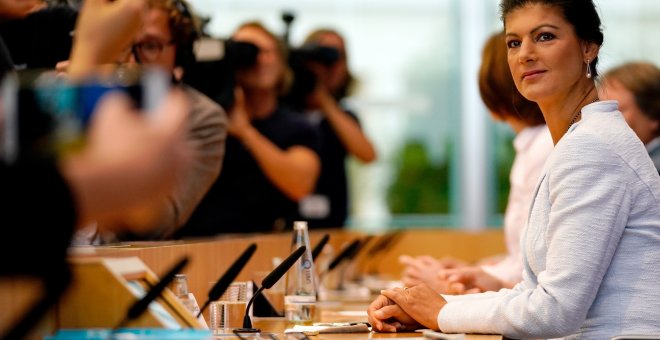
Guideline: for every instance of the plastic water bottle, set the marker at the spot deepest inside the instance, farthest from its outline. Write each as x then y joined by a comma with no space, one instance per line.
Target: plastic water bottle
300,295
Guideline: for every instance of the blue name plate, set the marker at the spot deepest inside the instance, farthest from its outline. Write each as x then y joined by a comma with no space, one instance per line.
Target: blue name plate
131,333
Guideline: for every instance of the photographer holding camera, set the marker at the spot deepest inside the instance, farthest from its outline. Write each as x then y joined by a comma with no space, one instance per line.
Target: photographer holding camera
340,132
166,40
271,160
126,162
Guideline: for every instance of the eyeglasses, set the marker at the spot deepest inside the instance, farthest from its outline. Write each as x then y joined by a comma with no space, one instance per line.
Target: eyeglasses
150,50
145,51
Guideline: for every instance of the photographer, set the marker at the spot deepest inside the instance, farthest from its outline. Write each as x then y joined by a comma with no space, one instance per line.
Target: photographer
340,132
46,198
166,41
127,161
271,160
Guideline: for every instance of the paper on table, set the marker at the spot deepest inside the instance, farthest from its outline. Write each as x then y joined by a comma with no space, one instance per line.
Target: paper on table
330,328
430,334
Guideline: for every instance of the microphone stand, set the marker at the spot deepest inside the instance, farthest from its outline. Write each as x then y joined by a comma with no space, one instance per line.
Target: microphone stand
267,283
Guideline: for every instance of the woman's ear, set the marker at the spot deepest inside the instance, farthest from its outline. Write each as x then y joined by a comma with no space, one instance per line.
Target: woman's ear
590,50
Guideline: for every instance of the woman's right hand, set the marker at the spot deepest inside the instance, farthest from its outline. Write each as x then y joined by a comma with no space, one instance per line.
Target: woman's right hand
420,269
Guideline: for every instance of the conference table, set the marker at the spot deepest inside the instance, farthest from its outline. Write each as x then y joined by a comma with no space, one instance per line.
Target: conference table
337,312
98,298
278,326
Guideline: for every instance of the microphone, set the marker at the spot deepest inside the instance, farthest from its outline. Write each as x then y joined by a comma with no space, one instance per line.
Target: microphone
228,277
267,283
349,253
319,246
361,247
383,244
141,305
344,254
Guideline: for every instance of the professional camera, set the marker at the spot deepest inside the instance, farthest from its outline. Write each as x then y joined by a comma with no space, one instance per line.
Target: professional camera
214,72
304,79
301,61
44,114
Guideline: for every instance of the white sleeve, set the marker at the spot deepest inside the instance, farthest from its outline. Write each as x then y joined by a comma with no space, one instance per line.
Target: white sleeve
589,205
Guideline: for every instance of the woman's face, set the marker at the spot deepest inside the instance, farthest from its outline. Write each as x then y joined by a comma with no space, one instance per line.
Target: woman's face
643,126
268,71
546,57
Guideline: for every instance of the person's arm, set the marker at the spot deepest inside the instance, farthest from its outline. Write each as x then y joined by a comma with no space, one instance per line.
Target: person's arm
474,280
104,29
12,9
527,168
589,206
420,303
205,141
386,316
294,171
347,129
128,161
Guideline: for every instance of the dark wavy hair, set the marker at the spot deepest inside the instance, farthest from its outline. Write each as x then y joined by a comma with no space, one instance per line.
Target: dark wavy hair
582,14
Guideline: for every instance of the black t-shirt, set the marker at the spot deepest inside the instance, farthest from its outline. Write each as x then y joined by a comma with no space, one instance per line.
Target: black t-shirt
41,39
243,199
332,185
6,63
37,210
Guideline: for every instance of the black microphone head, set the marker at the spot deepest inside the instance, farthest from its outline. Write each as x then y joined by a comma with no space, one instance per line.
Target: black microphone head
267,283
384,242
278,272
230,275
141,305
344,254
319,246
360,247
288,17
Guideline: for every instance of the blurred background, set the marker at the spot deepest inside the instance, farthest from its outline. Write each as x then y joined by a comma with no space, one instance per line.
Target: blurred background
441,160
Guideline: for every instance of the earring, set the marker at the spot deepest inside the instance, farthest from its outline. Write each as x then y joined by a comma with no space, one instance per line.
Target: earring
588,69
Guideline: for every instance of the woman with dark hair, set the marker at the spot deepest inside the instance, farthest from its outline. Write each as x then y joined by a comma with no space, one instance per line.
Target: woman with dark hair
636,86
533,145
592,239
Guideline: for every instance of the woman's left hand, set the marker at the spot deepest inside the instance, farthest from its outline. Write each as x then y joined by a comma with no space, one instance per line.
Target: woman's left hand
420,302
386,316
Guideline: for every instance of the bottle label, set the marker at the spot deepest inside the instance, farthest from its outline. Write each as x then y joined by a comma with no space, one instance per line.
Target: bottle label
299,299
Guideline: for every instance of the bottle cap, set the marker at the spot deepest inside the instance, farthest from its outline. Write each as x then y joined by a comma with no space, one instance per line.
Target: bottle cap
297,225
